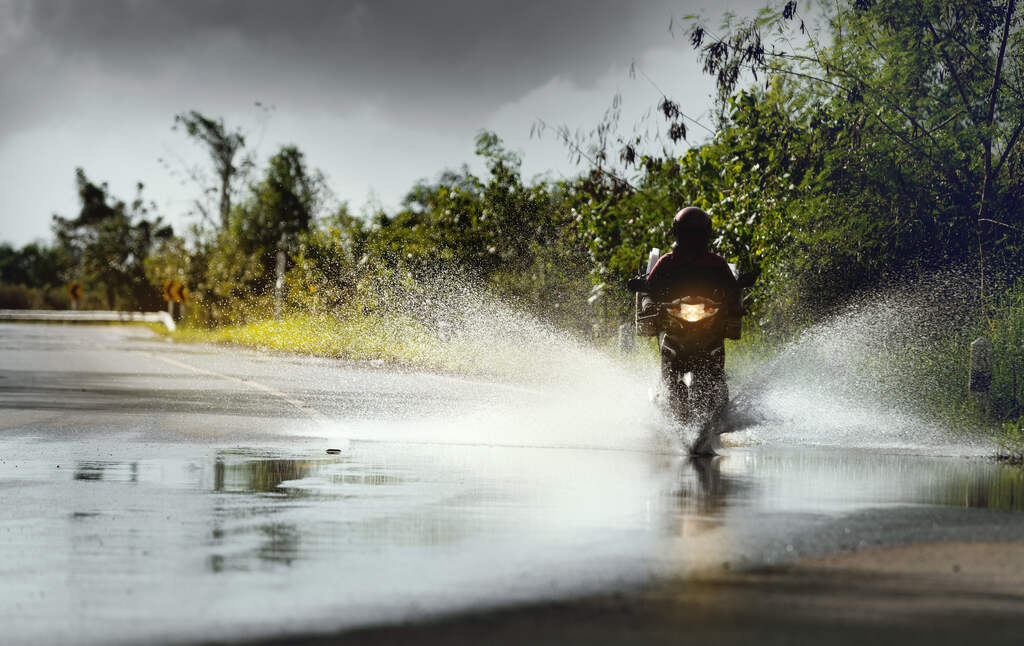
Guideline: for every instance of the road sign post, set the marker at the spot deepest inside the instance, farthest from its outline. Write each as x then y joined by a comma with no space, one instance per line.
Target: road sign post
167,297
182,302
175,293
74,294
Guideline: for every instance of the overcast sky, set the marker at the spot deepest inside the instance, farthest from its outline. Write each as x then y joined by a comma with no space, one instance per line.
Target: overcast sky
378,94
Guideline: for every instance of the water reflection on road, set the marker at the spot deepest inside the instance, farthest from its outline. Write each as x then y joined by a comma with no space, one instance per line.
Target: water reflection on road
235,542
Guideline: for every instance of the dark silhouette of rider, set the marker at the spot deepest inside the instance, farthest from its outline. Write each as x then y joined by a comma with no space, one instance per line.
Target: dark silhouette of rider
690,269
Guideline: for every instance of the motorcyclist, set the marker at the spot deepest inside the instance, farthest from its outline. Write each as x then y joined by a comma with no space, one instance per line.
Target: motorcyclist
690,269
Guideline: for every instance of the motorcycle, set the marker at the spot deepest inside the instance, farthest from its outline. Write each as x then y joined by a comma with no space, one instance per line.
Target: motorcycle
691,331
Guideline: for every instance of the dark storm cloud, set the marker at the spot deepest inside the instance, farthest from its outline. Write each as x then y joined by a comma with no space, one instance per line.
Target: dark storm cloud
434,62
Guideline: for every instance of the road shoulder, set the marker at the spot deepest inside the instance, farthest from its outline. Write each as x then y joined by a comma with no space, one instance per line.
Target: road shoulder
942,593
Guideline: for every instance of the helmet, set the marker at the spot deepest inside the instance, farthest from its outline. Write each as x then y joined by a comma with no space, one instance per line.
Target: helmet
692,229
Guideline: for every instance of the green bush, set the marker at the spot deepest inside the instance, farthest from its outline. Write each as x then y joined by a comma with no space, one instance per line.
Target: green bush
1005,329
1011,440
20,297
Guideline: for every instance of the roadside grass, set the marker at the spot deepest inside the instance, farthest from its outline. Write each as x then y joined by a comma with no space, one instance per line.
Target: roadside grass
400,341
353,336
933,371
1003,409
1005,328
1011,442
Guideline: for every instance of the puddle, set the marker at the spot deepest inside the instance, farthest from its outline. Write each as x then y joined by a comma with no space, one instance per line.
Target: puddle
235,542
825,480
110,471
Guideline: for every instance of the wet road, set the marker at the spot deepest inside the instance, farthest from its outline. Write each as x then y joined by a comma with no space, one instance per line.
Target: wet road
153,491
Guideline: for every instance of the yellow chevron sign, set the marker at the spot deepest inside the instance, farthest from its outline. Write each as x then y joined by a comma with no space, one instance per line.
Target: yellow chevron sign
75,291
175,290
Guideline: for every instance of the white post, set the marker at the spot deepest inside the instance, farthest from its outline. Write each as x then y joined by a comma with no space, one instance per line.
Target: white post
980,381
279,285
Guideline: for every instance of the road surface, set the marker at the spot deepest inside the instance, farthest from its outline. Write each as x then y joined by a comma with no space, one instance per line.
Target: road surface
160,492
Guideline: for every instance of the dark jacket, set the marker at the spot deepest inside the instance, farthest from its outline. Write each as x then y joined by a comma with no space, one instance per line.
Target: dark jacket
707,274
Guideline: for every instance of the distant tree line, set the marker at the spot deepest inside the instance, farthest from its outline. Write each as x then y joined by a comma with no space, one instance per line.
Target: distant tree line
884,145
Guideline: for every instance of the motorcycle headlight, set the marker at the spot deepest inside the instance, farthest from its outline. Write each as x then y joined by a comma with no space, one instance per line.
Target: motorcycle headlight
691,313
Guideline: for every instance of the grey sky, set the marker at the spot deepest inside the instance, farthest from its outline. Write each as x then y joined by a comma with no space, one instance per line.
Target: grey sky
377,94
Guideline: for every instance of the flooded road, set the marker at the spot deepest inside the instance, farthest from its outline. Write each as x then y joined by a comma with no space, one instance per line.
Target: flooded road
177,493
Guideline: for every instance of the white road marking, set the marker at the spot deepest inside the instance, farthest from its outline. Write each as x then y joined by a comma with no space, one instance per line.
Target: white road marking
255,385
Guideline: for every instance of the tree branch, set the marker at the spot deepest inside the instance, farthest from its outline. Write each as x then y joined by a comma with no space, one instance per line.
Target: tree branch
563,134
940,126
1009,147
987,142
203,212
914,122
665,96
952,69
999,62
953,36
893,105
1002,224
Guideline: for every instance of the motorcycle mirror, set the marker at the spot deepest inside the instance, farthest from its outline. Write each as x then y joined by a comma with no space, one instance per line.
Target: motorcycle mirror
637,284
748,278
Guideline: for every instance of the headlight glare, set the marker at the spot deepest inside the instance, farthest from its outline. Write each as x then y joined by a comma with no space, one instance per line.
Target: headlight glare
692,312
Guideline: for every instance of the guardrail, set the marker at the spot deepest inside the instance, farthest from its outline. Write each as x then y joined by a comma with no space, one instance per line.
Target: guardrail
88,315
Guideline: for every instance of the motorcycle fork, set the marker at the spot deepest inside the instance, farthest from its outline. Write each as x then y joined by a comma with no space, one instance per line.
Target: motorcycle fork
673,379
703,396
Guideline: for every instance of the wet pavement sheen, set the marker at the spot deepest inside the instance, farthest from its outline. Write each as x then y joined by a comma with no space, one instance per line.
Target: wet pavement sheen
128,519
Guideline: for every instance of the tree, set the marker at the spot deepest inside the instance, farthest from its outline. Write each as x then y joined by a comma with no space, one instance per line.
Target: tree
924,99
108,242
224,146
34,265
283,205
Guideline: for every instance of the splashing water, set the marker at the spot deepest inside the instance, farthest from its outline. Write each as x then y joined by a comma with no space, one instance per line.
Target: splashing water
554,389
842,382
856,378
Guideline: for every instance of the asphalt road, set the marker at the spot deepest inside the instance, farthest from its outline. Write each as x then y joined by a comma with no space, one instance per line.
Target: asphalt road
156,492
